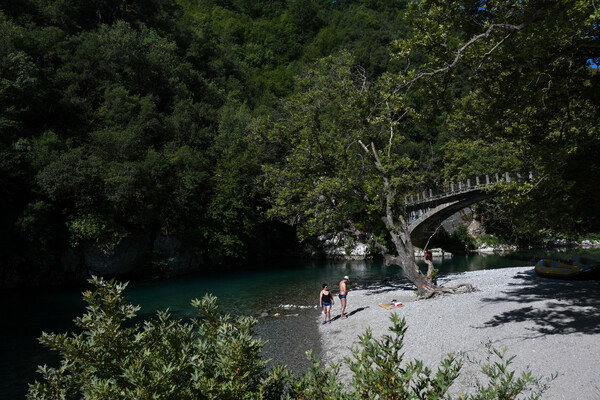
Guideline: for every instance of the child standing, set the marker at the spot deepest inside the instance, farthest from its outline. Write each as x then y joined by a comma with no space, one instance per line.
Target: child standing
326,301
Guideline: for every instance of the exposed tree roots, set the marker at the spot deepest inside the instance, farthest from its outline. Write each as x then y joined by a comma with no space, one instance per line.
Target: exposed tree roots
428,292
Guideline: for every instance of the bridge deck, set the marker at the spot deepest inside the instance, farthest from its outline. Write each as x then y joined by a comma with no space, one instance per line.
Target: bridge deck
451,189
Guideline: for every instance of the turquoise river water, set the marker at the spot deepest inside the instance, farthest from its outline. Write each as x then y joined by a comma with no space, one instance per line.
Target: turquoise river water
283,295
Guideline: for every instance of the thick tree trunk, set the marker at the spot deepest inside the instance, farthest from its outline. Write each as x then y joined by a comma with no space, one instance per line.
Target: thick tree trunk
413,274
429,269
405,258
399,233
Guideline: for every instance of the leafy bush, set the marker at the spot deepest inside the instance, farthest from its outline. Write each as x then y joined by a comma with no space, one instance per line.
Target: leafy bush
379,371
591,236
216,356
502,383
489,240
461,239
211,357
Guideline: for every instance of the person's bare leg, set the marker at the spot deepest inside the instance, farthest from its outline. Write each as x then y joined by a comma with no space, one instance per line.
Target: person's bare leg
343,301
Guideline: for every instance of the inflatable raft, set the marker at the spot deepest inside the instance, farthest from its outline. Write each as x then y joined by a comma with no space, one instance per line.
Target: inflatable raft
580,268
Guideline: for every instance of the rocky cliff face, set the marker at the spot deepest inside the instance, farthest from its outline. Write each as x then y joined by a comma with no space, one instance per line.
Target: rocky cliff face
134,256
337,246
165,256
119,260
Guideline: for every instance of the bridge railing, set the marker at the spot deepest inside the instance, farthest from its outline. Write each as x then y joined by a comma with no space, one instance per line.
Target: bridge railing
452,188
428,196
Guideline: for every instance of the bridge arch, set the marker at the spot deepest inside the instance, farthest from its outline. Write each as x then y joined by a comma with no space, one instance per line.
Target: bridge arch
428,212
425,225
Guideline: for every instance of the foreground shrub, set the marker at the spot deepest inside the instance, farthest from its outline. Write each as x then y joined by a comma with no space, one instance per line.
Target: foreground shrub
501,382
216,356
211,357
380,372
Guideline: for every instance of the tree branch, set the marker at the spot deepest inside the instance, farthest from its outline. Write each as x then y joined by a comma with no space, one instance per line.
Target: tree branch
352,229
474,39
492,49
432,235
388,218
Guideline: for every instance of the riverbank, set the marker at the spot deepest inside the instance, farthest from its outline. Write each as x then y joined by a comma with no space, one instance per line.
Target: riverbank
552,326
288,338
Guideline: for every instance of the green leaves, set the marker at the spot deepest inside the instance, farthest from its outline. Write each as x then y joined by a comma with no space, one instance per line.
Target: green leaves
317,382
504,383
135,113
213,357
380,371
514,77
138,112
91,228
467,158
324,176
216,356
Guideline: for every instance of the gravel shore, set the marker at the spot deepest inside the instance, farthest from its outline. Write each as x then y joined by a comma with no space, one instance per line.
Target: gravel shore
288,338
552,326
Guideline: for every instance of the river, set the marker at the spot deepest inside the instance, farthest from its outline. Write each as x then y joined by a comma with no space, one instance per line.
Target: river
282,295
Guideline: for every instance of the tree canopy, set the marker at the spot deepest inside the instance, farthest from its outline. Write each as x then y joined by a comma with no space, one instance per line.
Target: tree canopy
156,117
119,118
489,69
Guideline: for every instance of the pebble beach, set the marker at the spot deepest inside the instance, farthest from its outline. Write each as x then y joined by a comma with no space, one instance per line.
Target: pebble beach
551,326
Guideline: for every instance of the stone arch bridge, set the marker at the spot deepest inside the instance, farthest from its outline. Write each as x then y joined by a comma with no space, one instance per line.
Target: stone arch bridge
428,209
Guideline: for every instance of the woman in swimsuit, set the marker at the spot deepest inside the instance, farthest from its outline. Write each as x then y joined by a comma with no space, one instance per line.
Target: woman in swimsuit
326,301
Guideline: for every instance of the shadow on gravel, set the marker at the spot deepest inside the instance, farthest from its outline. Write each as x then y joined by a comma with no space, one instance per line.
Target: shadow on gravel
394,284
349,314
387,285
572,306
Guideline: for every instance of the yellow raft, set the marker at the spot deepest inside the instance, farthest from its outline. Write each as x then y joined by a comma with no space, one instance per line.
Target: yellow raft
579,268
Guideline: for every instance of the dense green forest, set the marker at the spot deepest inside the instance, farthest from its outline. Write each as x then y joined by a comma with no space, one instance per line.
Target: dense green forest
164,118
120,117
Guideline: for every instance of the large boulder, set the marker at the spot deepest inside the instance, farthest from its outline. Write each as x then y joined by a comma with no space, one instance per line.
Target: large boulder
338,246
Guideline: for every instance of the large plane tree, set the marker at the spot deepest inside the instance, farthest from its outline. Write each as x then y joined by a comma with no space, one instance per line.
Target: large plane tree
344,146
343,164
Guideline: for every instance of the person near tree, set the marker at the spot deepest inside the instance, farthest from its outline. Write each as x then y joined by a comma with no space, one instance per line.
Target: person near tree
429,262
